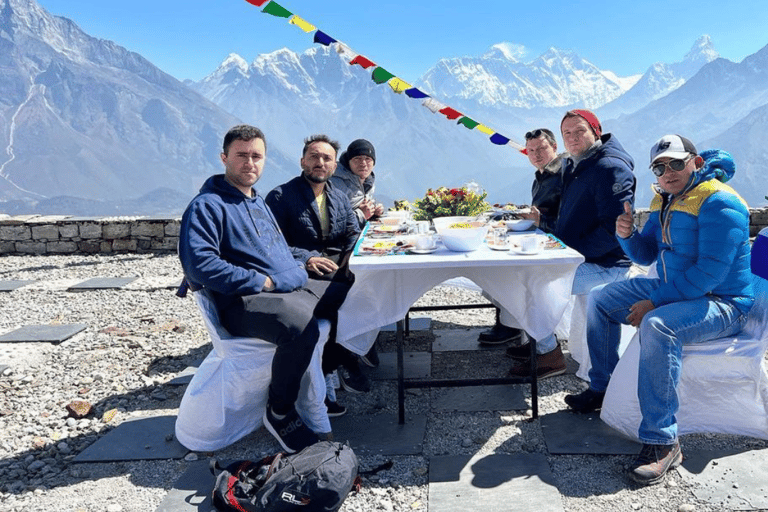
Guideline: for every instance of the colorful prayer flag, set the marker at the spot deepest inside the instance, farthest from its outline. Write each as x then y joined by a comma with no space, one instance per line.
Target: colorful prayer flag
416,94
468,123
398,85
451,113
381,75
484,129
302,24
499,139
323,38
433,105
276,9
362,61
257,3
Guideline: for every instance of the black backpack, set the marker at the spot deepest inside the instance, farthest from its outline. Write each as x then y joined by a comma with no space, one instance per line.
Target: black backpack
317,479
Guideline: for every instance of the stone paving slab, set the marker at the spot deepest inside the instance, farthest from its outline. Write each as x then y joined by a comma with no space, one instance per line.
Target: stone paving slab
184,377
381,434
416,365
13,284
42,333
569,433
728,479
140,439
507,397
451,340
417,323
192,491
102,283
520,482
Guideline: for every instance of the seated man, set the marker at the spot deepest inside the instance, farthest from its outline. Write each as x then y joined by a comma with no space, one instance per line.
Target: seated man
698,234
597,179
231,244
356,179
321,228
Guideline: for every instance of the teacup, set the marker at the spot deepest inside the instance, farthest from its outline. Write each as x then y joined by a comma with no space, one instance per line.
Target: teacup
529,243
424,242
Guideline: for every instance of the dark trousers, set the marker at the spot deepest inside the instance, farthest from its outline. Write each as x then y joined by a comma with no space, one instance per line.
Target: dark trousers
290,321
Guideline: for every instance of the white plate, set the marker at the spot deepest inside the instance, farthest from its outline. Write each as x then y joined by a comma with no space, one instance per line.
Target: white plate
422,251
499,247
519,251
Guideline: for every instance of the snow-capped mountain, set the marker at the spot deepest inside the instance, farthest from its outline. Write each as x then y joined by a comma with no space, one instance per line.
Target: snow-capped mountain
661,79
84,117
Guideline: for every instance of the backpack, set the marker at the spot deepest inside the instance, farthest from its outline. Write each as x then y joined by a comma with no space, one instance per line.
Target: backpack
317,479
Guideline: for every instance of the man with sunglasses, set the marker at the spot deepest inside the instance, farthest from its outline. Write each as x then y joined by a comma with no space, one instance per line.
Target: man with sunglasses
698,236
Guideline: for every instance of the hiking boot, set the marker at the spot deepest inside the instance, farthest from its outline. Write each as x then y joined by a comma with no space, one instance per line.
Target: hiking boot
335,409
654,461
586,401
499,334
290,431
547,365
371,358
520,352
353,380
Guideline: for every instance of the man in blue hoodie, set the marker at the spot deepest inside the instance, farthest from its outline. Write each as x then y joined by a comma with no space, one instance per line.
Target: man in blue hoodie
597,180
698,236
231,244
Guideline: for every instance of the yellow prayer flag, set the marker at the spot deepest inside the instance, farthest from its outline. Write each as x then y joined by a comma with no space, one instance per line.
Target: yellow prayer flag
398,85
484,129
302,24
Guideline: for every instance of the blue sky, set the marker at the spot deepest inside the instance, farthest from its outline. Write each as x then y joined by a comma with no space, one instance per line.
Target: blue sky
188,39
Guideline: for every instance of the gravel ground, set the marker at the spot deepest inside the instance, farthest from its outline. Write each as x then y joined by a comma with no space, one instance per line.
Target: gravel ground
140,337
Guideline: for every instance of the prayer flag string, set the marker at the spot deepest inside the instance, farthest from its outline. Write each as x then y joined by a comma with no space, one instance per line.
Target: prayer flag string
382,76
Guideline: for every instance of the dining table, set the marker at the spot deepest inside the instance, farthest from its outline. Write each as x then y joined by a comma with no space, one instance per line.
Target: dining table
534,287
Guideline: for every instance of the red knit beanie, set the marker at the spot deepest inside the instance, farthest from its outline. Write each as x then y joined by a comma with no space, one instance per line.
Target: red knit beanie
589,117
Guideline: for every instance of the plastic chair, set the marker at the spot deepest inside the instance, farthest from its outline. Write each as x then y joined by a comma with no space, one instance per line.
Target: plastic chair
226,398
723,384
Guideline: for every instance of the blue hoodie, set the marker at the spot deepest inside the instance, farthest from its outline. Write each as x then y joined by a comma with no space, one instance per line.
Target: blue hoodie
699,238
230,243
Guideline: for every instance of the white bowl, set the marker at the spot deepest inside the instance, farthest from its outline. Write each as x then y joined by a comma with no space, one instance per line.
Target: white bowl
519,224
460,239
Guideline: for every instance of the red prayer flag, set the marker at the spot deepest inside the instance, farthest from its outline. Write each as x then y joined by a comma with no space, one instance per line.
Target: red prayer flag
451,114
362,61
257,3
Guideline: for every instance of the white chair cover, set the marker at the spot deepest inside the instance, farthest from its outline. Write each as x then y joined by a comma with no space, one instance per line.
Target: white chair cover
226,398
723,385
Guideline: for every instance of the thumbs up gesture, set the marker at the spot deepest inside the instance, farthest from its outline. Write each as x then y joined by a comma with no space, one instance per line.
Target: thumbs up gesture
625,222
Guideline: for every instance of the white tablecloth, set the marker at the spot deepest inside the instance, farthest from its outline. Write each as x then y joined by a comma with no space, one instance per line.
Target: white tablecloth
535,289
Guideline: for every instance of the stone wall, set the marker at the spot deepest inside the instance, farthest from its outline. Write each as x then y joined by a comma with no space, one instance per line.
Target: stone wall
37,234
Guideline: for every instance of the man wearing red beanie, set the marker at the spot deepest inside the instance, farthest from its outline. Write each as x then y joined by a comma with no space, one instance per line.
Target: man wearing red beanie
597,180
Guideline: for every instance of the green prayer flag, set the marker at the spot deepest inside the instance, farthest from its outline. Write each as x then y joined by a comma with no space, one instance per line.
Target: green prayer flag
469,123
381,75
278,10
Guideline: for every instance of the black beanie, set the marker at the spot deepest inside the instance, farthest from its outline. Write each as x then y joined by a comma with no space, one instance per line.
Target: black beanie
361,147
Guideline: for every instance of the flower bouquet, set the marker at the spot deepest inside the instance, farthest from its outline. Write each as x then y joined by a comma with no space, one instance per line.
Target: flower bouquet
445,202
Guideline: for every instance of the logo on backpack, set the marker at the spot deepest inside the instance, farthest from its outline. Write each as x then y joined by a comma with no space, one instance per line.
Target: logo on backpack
293,499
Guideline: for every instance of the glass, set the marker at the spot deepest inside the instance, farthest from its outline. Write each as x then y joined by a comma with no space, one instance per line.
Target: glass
676,165
500,237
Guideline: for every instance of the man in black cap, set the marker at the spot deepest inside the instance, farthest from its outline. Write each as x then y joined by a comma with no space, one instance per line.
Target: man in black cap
355,178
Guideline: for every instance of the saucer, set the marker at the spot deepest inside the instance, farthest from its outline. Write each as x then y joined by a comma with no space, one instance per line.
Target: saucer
499,247
422,251
521,252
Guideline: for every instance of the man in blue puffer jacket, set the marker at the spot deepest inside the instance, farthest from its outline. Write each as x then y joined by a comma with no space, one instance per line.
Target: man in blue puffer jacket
231,244
698,235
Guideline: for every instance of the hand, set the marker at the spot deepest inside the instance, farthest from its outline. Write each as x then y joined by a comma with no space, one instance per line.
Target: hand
368,208
321,266
535,215
625,223
638,310
269,285
379,211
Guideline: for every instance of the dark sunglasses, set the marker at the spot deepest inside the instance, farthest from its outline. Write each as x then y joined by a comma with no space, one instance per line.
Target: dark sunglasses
676,165
535,134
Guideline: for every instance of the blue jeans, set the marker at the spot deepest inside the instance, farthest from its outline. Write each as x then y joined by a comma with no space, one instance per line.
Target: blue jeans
588,275
663,332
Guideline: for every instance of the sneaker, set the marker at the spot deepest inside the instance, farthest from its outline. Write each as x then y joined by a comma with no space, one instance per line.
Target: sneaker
547,365
499,334
586,401
354,380
290,431
654,461
371,358
521,352
335,409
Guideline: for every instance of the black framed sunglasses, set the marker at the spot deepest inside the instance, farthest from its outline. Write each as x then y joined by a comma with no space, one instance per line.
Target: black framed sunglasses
676,165
534,134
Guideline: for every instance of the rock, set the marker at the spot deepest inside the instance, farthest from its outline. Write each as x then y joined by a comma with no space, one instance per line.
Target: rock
36,465
466,443
63,448
71,422
78,409
636,506
114,507
190,457
686,507
421,471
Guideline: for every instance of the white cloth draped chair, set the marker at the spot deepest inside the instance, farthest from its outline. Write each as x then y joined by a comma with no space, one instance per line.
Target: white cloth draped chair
226,398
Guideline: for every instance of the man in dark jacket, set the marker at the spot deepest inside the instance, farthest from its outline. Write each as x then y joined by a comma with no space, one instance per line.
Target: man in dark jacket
597,179
321,228
231,244
541,149
355,177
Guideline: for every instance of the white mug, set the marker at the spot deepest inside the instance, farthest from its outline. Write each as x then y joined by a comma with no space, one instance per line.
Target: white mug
529,243
422,227
425,242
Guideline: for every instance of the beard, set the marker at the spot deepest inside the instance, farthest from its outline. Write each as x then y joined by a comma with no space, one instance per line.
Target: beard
314,178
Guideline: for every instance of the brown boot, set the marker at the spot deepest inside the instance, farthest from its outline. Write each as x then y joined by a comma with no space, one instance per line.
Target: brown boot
547,365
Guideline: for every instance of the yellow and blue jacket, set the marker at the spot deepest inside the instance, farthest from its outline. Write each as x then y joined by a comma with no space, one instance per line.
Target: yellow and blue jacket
698,238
